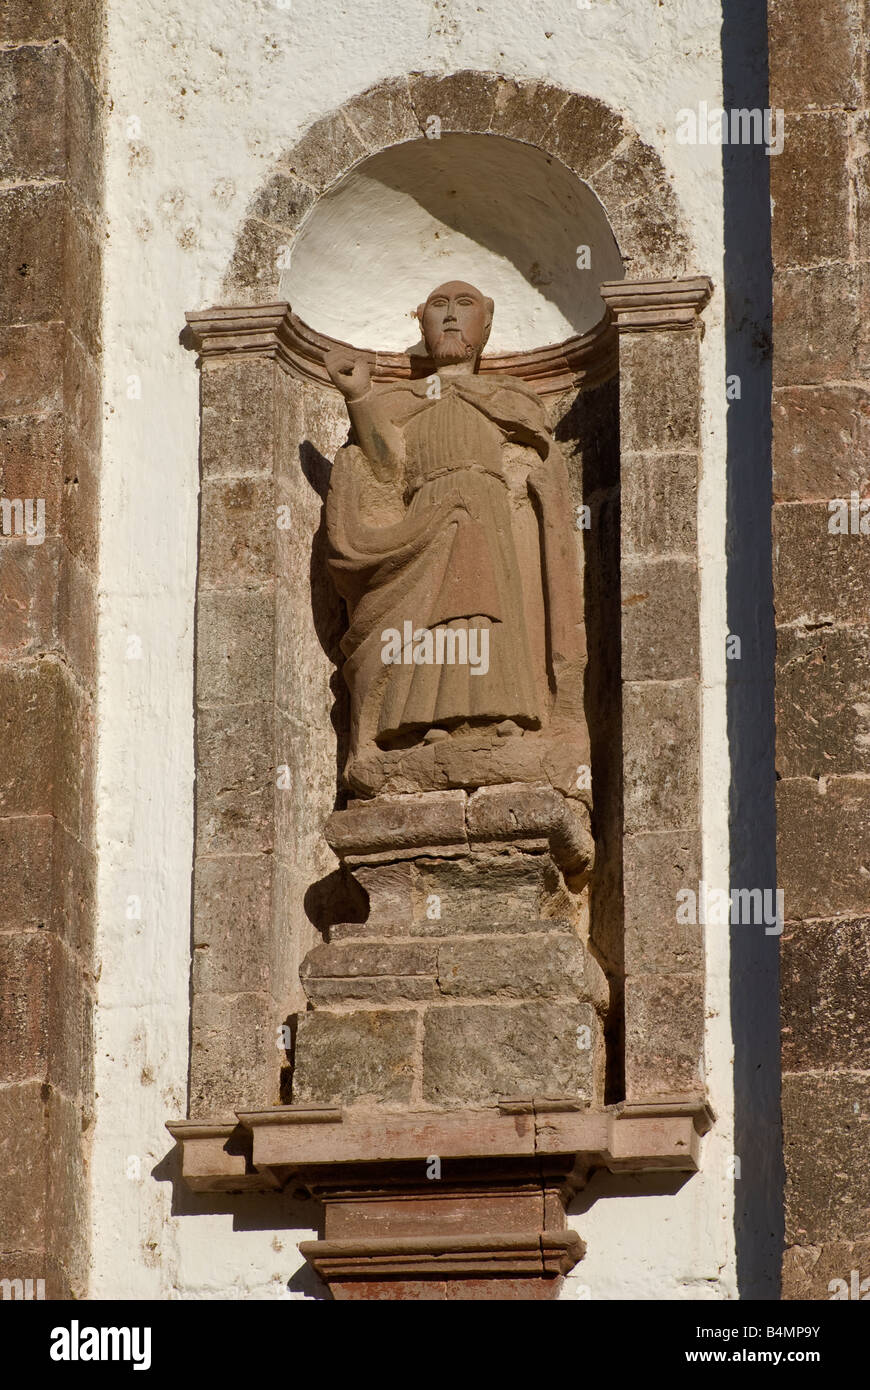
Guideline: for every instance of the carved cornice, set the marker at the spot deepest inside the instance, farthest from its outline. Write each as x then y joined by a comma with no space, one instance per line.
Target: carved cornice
638,306
274,331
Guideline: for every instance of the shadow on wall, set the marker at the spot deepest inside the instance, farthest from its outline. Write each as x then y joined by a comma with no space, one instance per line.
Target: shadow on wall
754,955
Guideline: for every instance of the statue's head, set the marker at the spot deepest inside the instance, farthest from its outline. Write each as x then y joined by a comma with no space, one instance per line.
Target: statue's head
455,320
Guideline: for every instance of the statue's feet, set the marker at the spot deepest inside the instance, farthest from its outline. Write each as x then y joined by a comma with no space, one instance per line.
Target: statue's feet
435,735
507,728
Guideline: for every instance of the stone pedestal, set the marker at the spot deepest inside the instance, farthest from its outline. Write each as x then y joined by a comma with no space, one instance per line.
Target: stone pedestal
471,978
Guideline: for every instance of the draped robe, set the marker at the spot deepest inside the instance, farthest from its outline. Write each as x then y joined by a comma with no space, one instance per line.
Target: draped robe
452,559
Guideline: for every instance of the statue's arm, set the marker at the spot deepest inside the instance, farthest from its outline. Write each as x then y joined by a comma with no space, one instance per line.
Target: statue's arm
380,439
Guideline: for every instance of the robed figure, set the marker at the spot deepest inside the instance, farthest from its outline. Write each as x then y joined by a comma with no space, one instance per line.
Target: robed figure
451,533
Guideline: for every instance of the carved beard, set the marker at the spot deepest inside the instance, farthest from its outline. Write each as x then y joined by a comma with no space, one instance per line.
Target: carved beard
452,347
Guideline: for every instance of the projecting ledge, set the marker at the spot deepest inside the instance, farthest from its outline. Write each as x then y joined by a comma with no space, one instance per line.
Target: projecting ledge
323,1145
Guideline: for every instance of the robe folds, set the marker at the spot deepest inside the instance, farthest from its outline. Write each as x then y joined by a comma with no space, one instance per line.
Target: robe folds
454,559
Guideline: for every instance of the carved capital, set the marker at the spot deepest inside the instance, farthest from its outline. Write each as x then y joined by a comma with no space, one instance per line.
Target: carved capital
638,306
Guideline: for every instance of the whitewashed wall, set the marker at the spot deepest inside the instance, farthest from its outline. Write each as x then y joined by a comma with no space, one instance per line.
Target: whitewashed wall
205,94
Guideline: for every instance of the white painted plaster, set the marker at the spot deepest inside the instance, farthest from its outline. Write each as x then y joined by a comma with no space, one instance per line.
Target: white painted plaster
220,90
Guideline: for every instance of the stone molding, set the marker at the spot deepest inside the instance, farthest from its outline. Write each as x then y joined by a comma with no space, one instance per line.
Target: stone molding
651,305
274,331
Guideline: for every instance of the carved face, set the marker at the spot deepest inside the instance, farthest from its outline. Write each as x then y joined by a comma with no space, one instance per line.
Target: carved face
456,320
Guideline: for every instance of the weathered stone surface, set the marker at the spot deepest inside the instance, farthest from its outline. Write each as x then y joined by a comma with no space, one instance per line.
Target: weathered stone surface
31,363
660,629
32,113
367,1055
825,995
826,1137
652,243
32,464
815,325
83,276
74,755
659,391
238,400
820,1271
28,589
821,442
815,53
84,145
383,115
237,538
810,183
235,635
23,1149
390,891
633,171
284,201
232,924
235,1056
254,273
74,872
585,134
391,822
656,867
478,1052
661,759
526,110
26,960
664,1035
28,696
821,577
462,100
535,966
821,846
235,779
327,149
488,894
25,886
823,701
31,243
376,971
77,618
659,504
39,20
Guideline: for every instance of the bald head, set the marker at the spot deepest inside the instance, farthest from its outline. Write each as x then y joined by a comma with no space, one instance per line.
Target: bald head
455,320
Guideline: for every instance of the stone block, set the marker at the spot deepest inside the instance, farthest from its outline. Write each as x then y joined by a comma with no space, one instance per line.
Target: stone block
235,782
390,823
366,1055
31,368
284,201
238,522
83,278
660,629
28,588
821,1272
80,501
84,144
815,54
326,151
378,971
255,272
659,391
82,393
24,1150
462,101
39,20
237,405
475,1053
383,115
235,1058
585,134
822,701
526,110
826,1143
25,886
31,245
810,186
664,1035
541,965
232,905
234,646
489,893
32,464
661,740
825,995
26,960
821,442
815,325
821,846
74,755
821,577
655,868
74,872
77,603
28,697
32,113
659,497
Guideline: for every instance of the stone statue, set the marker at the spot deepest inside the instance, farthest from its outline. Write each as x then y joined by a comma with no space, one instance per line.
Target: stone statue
452,541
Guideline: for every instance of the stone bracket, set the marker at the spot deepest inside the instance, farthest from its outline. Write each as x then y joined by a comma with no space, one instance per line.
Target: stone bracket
268,1147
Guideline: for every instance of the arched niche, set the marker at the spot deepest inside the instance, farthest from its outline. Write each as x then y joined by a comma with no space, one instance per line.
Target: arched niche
354,224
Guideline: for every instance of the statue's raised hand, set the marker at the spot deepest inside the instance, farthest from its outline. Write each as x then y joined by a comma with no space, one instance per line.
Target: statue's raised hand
350,374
